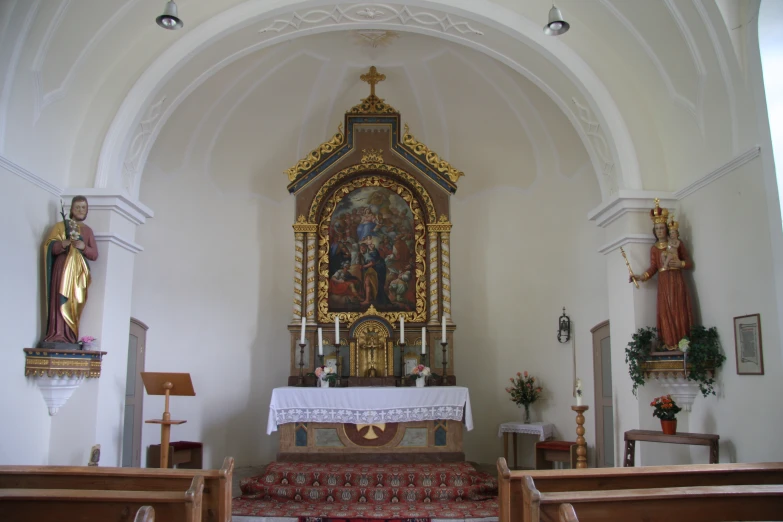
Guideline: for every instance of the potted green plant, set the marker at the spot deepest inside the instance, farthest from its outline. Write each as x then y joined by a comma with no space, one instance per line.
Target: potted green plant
701,351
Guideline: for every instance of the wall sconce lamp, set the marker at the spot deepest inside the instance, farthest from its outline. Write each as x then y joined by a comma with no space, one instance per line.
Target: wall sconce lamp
556,25
564,328
169,19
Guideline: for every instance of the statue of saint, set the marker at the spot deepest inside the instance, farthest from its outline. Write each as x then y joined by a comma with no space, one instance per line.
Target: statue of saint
66,251
668,258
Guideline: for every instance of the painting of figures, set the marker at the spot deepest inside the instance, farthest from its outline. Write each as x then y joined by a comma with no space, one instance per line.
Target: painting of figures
371,253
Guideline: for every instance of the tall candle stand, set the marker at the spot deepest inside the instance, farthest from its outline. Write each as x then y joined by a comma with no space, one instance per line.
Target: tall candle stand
301,364
339,365
444,344
402,344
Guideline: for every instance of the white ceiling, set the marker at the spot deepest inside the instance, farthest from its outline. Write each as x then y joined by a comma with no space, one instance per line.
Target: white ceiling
647,90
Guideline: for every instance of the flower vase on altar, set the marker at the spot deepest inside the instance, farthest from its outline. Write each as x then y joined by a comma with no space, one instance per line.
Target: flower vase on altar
324,383
526,416
420,373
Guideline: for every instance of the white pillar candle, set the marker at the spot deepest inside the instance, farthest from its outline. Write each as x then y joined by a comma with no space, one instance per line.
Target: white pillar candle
320,342
423,340
336,329
578,400
301,337
443,329
402,329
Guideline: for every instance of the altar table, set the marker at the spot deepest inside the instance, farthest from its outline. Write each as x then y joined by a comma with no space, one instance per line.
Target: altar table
382,424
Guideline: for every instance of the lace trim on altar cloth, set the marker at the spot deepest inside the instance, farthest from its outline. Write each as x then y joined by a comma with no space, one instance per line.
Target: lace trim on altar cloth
342,416
544,431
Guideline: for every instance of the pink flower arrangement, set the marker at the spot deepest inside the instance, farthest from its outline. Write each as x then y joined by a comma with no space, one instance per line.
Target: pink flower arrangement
421,371
87,340
523,390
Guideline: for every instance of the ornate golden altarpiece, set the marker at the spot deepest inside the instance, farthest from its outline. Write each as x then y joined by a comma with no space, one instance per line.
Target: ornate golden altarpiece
372,192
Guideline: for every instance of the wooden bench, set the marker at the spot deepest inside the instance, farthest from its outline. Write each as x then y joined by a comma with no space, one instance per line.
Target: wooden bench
216,504
510,482
82,505
145,514
567,513
550,451
668,504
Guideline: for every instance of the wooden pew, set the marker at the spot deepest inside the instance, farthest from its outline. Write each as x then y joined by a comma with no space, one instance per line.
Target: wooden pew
668,504
510,482
567,513
145,514
92,505
216,504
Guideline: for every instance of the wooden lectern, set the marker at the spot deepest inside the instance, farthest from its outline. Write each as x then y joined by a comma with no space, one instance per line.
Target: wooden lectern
166,384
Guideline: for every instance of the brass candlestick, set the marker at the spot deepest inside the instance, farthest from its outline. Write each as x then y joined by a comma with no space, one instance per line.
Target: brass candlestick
339,380
402,345
444,344
301,364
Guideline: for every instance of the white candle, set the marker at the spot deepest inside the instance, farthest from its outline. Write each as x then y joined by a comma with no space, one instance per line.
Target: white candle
320,342
423,340
402,329
443,329
578,400
301,337
336,329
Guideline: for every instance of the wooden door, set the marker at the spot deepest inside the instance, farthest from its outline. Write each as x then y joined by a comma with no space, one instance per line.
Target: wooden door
134,395
604,414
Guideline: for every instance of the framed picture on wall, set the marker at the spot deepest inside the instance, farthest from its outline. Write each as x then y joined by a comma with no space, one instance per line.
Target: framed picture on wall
747,345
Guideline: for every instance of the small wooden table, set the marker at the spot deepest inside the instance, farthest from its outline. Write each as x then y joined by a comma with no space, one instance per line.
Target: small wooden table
544,431
694,439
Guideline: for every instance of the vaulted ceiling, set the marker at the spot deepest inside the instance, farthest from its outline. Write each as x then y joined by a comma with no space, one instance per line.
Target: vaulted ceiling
646,90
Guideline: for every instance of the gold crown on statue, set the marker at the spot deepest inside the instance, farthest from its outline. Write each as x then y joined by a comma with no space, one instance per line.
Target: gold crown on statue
658,214
674,225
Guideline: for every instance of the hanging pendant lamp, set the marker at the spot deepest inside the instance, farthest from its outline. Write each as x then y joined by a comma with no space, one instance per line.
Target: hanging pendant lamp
556,25
169,19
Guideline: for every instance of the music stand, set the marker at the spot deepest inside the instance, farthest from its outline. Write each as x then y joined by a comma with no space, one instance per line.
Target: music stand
166,384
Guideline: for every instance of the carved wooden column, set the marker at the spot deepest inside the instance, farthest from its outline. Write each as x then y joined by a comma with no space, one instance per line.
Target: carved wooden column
310,303
433,277
298,253
302,286
444,227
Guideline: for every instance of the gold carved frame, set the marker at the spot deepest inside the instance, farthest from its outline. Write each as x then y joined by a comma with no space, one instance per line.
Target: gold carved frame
384,352
371,179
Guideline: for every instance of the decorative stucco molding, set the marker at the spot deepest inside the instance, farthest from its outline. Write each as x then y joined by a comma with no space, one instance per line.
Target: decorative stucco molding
375,13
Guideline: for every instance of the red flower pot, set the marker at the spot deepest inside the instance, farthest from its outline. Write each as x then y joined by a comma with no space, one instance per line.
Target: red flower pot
669,427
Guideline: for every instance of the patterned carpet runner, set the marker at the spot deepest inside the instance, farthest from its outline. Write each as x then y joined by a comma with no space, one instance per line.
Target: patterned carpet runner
377,491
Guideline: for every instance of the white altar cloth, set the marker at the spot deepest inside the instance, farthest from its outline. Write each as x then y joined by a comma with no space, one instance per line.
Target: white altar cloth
544,430
369,405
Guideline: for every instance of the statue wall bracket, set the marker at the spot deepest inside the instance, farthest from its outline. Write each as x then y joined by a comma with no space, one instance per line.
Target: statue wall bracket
58,372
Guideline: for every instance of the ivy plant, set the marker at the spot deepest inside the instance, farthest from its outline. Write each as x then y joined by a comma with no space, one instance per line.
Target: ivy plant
703,355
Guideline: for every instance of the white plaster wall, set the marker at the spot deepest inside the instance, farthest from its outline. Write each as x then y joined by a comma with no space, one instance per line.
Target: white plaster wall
732,275
28,212
215,281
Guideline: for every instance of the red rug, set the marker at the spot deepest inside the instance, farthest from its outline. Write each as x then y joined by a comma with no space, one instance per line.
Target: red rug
377,491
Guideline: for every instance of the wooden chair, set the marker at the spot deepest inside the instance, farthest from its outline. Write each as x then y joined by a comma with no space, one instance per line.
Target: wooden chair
25,504
550,451
182,454
510,482
216,502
